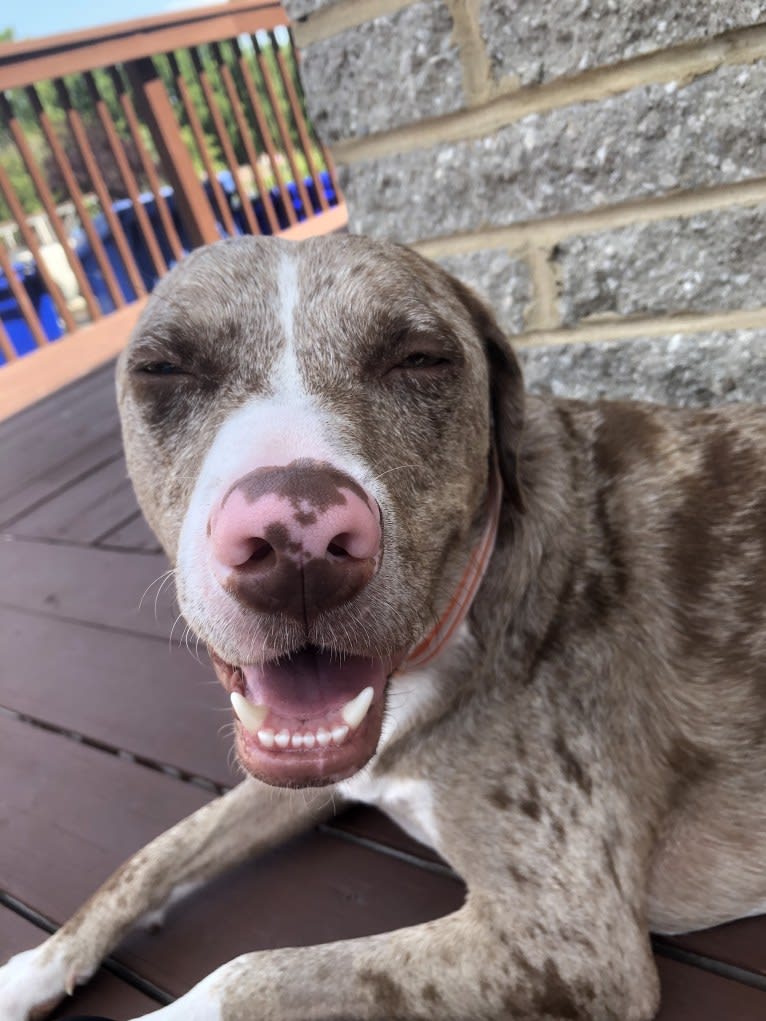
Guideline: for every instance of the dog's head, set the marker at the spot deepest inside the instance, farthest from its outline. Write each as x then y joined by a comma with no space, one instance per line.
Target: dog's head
308,428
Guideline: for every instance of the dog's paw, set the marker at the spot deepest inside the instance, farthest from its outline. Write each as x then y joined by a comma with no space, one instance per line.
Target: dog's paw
31,984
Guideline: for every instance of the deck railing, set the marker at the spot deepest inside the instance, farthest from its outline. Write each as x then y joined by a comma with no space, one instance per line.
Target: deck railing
162,134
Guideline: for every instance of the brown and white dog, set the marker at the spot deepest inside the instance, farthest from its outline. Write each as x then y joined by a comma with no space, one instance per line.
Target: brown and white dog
533,632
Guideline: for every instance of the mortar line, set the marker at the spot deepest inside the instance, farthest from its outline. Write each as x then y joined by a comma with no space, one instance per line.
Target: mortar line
651,326
552,230
683,62
478,81
340,16
543,312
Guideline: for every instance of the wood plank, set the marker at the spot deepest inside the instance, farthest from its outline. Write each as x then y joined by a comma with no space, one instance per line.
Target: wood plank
133,534
314,890
105,993
77,813
72,814
47,446
46,411
38,375
95,586
127,691
85,511
28,489
741,943
86,403
690,994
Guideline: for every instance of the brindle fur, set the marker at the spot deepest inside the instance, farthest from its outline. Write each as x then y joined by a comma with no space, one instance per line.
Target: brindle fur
597,749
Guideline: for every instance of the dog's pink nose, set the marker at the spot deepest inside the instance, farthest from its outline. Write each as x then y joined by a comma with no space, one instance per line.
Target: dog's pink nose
296,539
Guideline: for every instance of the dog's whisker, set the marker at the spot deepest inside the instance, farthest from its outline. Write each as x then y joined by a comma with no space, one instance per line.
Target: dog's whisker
161,579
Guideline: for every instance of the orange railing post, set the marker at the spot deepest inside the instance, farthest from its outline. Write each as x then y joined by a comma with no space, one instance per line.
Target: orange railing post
154,106
127,145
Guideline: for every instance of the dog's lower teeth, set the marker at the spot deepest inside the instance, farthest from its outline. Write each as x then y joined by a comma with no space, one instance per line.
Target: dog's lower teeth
266,737
252,716
284,739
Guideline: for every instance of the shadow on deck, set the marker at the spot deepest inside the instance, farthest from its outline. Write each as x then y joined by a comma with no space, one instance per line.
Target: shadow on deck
110,733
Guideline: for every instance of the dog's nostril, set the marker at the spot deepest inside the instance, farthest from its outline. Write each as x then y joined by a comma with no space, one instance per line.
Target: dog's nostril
260,551
339,546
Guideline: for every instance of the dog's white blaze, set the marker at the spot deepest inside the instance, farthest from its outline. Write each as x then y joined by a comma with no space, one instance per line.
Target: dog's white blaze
286,379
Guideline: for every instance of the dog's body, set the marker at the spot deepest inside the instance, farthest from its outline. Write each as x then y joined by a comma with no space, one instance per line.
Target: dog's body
587,749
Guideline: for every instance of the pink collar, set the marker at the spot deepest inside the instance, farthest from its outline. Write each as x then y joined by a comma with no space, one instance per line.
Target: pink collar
429,647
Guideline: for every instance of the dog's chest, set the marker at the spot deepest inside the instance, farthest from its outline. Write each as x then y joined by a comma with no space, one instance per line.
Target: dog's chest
410,803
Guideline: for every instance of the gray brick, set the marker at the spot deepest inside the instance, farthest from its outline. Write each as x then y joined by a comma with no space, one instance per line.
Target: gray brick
383,73
300,8
533,41
498,277
649,140
708,262
695,370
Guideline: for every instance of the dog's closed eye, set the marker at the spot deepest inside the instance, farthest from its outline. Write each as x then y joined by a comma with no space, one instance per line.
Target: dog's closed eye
160,369
422,360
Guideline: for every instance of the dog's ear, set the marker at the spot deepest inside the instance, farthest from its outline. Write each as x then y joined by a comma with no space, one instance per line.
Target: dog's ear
506,389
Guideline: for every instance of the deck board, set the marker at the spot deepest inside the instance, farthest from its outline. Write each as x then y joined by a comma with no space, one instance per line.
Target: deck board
83,659
742,943
113,589
132,533
690,994
83,514
71,814
128,692
105,993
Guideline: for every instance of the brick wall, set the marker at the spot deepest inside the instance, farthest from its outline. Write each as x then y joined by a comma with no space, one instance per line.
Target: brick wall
596,168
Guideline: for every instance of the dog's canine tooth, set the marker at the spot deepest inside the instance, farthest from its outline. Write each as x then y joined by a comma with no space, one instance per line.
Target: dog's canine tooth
354,712
250,716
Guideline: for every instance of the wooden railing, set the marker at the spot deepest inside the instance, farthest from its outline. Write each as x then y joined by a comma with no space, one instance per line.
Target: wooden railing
163,133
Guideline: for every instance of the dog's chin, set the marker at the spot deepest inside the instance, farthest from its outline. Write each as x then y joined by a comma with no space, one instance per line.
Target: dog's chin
307,719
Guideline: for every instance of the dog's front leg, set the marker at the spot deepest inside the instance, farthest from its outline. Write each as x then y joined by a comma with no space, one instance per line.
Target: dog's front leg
468,965
249,819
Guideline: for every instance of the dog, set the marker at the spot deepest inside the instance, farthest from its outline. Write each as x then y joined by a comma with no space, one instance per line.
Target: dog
531,630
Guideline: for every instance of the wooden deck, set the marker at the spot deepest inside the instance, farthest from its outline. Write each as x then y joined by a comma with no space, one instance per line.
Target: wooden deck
109,733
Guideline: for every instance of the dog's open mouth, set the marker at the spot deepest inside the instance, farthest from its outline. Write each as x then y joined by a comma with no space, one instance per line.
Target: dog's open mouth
311,718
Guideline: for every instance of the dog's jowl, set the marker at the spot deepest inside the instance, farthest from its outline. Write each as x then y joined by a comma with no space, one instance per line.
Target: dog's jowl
532,630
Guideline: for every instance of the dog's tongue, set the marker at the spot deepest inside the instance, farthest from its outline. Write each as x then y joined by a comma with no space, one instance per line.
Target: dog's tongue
311,718
312,683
